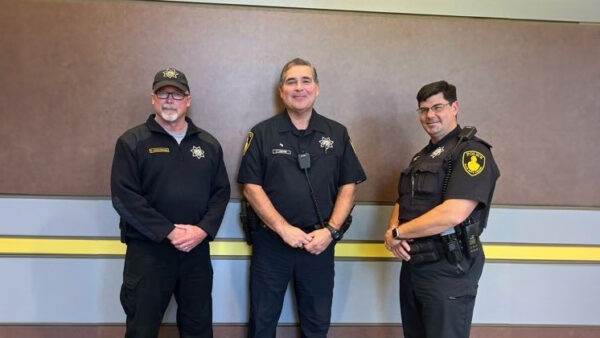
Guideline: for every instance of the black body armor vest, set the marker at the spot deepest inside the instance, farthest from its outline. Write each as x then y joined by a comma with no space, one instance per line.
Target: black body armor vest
421,185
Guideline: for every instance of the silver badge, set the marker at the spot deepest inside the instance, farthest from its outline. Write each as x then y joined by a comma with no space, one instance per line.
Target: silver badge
437,152
197,152
326,143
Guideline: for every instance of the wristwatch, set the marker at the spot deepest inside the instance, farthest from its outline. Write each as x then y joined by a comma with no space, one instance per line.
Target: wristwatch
335,234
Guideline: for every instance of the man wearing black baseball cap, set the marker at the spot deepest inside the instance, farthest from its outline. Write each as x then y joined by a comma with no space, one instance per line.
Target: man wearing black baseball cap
170,187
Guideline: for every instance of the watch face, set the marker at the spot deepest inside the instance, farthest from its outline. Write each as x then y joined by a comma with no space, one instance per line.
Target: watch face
395,233
335,234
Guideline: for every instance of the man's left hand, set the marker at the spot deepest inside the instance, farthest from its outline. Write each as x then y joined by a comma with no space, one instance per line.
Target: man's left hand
194,235
321,240
389,239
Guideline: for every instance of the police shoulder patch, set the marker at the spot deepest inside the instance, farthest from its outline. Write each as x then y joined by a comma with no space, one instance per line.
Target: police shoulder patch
473,162
249,138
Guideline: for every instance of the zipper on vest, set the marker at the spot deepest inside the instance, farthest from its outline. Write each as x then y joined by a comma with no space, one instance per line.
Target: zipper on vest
412,183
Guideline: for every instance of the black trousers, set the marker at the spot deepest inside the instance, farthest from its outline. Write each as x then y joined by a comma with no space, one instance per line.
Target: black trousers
273,265
437,299
153,272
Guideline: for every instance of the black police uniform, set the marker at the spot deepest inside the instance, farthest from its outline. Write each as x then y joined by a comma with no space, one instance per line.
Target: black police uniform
155,184
271,161
437,291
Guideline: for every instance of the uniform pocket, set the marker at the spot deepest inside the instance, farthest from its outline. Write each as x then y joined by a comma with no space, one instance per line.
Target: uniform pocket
404,184
427,180
128,293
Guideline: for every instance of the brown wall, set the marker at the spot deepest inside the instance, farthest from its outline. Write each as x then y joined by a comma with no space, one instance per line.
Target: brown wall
76,74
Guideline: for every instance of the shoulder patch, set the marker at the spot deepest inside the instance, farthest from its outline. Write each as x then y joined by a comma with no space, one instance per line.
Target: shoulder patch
473,162
352,145
249,138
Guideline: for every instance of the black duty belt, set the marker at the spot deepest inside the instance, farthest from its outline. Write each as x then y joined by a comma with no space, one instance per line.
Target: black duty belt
426,250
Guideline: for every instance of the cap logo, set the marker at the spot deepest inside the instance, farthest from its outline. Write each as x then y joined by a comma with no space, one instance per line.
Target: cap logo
170,73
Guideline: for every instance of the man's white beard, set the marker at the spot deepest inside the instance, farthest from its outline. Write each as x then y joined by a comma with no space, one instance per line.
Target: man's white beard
169,115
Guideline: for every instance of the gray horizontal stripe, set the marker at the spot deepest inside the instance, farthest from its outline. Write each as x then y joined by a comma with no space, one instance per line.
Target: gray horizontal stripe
365,292
73,217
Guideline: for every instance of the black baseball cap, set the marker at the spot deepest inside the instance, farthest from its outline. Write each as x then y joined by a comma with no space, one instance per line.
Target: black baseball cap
170,77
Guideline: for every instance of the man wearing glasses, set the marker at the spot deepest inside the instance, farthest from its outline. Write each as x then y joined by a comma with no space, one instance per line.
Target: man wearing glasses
442,208
170,187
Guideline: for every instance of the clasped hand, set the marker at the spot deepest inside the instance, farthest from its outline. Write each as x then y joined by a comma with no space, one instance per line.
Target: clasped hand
314,242
399,247
185,237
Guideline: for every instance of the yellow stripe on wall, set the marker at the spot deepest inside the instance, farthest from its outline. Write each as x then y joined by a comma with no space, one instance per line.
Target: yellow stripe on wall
347,250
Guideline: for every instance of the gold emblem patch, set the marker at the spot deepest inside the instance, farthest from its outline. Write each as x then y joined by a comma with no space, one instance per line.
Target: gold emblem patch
248,141
158,150
473,162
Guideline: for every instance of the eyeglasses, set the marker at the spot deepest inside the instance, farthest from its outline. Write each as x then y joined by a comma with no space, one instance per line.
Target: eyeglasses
175,95
435,108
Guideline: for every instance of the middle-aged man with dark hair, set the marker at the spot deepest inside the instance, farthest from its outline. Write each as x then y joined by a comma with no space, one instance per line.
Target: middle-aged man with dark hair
286,158
442,208
170,187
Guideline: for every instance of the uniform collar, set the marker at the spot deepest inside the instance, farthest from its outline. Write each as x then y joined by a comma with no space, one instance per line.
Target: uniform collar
157,128
316,123
451,135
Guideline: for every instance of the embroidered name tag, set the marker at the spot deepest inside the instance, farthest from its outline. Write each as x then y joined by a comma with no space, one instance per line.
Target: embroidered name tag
158,150
281,151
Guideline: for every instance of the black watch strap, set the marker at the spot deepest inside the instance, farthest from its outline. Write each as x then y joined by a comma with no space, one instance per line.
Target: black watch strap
335,233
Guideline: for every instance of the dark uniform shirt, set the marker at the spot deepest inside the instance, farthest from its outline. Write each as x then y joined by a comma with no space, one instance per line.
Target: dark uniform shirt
271,161
474,175
156,182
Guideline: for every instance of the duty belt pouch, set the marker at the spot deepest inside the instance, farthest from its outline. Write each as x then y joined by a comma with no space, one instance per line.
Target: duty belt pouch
346,225
423,252
249,220
452,248
123,230
470,239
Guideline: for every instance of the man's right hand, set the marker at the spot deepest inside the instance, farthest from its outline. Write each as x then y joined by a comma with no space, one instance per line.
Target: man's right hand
294,236
401,250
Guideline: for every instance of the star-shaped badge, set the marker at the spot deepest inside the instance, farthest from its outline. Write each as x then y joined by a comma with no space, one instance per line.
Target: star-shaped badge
197,152
326,143
170,73
437,152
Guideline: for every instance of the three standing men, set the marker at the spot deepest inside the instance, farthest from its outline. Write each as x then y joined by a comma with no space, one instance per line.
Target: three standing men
298,168
442,208
170,187
299,173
